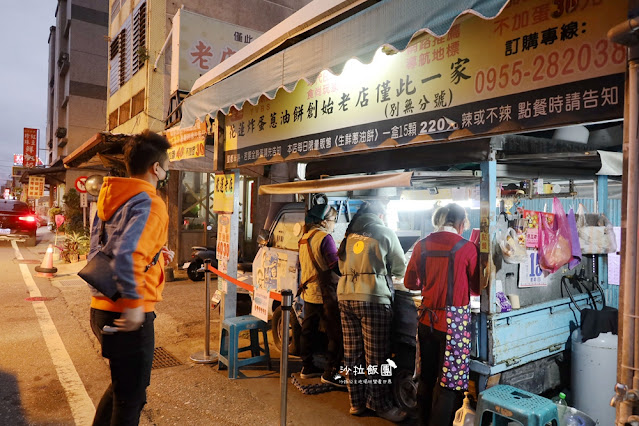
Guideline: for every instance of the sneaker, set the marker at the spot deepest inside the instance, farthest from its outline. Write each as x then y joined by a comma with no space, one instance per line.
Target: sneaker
310,372
334,379
394,415
357,411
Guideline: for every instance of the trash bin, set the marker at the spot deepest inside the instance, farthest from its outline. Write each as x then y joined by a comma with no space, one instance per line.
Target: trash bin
594,374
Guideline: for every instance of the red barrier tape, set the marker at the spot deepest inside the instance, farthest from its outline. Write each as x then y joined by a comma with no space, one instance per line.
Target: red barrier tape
273,295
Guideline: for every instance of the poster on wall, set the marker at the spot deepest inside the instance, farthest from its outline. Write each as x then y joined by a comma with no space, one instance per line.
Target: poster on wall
260,304
543,68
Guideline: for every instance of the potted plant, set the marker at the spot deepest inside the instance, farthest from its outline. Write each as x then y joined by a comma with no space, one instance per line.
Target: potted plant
73,244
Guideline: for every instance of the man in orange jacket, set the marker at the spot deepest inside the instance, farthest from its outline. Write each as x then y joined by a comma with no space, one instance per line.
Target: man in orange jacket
136,228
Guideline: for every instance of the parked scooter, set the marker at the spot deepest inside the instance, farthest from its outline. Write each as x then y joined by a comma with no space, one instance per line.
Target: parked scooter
199,254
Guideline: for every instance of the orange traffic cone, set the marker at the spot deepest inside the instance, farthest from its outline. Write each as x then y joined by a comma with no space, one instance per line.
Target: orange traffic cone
46,268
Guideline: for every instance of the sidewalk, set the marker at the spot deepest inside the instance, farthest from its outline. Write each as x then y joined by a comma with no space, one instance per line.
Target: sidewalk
206,395
199,394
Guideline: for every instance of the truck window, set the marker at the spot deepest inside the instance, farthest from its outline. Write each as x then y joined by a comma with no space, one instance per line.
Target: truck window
288,231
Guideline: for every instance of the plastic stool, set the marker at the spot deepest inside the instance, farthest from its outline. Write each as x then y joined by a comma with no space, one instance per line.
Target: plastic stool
507,403
229,350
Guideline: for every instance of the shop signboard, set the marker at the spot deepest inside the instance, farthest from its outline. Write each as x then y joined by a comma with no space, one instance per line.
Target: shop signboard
19,158
199,43
30,147
36,187
187,143
542,67
223,193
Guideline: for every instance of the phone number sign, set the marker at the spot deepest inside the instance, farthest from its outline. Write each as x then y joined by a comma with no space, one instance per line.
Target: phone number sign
547,64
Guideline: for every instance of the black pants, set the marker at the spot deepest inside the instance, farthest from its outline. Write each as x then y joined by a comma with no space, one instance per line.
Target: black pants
314,315
437,405
130,357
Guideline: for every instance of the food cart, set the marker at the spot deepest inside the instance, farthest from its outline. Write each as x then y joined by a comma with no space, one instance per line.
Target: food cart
460,114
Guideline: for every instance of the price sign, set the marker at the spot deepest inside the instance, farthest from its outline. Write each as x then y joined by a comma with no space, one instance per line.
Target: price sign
223,245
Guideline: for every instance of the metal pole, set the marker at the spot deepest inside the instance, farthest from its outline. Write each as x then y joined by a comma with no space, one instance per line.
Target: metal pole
206,357
287,302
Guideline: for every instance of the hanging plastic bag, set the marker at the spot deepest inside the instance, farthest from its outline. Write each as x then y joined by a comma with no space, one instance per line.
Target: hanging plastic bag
574,240
555,249
512,251
596,234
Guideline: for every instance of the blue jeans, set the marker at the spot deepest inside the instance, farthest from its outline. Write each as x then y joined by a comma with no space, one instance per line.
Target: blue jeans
130,357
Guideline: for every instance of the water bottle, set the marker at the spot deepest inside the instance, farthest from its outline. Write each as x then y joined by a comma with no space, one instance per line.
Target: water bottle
561,403
573,420
465,416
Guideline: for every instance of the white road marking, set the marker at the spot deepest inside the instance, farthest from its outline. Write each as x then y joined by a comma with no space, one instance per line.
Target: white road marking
82,407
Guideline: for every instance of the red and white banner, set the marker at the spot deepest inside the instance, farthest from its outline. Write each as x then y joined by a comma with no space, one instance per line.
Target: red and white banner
30,147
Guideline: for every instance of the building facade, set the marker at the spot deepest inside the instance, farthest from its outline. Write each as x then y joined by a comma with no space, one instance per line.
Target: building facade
142,92
77,90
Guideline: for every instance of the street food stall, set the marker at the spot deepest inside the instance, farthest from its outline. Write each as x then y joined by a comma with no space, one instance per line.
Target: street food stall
489,125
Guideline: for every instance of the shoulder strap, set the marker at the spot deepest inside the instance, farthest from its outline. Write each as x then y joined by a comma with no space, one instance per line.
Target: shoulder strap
101,241
450,254
310,251
306,241
102,233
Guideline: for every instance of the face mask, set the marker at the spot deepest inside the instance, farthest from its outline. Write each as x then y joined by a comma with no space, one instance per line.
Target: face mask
162,183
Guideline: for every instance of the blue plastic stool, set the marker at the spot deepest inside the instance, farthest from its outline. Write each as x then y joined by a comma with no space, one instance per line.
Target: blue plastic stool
229,350
507,403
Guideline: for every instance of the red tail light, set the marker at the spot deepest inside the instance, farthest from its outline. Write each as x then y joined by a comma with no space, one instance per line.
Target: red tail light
27,218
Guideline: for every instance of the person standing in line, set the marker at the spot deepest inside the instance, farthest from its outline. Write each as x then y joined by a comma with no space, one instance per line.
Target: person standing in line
445,267
370,255
319,275
135,221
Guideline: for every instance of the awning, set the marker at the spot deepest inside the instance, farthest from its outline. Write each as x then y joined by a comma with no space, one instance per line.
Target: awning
349,183
391,23
54,173
102,150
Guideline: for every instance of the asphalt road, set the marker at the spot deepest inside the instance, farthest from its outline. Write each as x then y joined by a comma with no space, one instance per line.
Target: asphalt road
51,371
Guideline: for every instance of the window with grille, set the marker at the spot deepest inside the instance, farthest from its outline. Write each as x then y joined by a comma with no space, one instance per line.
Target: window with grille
114,64
128,49
139,55
115,8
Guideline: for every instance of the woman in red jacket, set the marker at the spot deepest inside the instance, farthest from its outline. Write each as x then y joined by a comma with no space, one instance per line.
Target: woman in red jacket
445,267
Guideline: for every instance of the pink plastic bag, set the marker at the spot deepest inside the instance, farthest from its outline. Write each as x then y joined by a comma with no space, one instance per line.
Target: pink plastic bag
555,249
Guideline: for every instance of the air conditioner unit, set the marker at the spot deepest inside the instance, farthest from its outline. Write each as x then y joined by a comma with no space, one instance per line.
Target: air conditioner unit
60,132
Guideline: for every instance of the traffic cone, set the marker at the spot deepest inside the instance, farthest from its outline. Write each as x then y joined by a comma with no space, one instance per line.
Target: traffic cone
46,268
